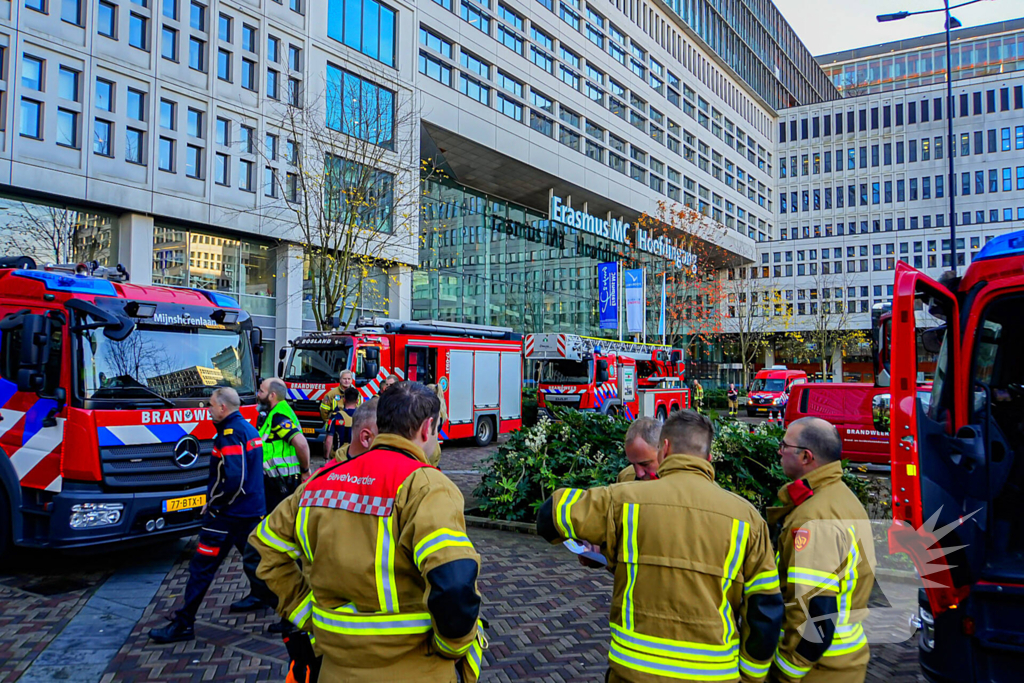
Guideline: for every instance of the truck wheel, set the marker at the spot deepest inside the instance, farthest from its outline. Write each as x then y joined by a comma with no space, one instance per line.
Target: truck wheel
661,414
484,432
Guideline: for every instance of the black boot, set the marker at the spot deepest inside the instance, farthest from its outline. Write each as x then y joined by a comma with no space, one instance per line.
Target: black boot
283,627
175,632
249,603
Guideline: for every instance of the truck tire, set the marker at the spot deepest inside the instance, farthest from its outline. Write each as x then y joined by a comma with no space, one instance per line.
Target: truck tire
484,431
661,414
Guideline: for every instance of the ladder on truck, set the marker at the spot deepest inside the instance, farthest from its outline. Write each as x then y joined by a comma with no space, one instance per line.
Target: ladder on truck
573,346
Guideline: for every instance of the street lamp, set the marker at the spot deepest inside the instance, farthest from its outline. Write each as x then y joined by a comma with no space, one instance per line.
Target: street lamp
951,23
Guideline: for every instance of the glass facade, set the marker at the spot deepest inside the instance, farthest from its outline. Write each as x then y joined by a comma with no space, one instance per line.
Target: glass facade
243,268
891,71
56,233
487,261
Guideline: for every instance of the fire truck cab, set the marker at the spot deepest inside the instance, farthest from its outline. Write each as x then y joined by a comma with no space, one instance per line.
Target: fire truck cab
608,376
105,425
477,368
958,460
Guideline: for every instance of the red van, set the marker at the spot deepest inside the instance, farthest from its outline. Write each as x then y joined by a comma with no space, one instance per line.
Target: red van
768,387
848,407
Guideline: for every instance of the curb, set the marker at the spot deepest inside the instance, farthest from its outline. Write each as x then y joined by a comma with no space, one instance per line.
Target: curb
898,575
501,525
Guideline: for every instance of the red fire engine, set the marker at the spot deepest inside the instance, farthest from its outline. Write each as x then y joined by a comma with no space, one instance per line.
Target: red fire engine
958,460
608,376
477,368
124,373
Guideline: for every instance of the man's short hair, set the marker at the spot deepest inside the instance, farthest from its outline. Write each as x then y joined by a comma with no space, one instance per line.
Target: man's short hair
278,388
404,406
351,395
227,396
820,437
646,428
365,415
689,433
347,372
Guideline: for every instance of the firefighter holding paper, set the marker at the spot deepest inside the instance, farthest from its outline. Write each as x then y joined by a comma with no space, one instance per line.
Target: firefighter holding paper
390,592
696,593
826,561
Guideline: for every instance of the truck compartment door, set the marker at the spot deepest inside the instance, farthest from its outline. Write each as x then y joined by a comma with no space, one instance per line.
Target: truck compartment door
460,387
928,479
511,386
485,380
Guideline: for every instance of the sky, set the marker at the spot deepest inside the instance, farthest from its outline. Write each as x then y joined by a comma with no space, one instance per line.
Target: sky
832,25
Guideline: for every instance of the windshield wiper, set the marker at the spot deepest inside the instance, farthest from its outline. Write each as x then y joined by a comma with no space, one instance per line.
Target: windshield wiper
145,390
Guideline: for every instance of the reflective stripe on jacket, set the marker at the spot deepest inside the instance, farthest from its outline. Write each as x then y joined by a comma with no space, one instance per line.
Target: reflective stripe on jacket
279,456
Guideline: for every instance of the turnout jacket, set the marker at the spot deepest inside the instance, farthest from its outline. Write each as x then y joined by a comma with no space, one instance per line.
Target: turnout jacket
235,487
696,593
826,559
390,593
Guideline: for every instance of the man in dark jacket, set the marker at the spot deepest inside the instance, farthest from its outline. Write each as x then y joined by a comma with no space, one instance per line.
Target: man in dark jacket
235,505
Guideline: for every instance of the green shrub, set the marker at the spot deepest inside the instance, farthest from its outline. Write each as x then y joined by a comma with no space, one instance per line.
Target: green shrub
585,450
529,406
716,398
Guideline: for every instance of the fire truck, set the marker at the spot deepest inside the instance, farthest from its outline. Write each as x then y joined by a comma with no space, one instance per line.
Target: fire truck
477,368
125,374
607,376
958,460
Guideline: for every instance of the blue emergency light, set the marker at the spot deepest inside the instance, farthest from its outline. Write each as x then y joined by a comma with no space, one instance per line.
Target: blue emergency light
1011,244
218,299
75,284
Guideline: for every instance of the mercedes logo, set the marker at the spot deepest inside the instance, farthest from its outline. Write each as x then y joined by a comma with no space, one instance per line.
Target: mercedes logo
186,452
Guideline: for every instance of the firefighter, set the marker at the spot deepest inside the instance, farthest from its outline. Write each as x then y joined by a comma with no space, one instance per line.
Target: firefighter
389,380
235,505
641,446
364,431
285,466
734,400
333,399
339,426
826,561
391,587
696,593
698,396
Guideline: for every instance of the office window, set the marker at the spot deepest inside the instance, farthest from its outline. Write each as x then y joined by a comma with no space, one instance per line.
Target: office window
134,145
101,140
269,182
993,180
67,128
246,141
71,12
435,69
273,49
359,107
474,89
197,16
272,84
1005,135
369,27
248,38
169,43
106,19
194,161
168,115
104,95
249,74
197,54
138,31
32,73
136,104
221,166
37,5
245,175
224,28
224,65
1007,180
294,58
510,39
223,132
67,87
294,91
195,123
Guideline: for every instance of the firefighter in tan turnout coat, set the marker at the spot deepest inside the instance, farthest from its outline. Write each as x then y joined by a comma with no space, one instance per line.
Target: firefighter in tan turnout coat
696,593
391,588
826,561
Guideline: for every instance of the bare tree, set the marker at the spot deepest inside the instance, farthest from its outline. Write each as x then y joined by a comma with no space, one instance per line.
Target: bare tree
829,319
351,195
754,311
52,234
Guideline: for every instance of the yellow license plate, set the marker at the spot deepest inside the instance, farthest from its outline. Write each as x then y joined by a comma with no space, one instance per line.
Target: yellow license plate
308,430
186,503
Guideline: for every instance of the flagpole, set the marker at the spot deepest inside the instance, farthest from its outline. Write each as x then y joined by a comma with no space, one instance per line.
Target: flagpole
618,291
644,285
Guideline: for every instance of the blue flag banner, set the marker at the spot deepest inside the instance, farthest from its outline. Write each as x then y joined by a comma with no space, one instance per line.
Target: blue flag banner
661,320
635,299
608,290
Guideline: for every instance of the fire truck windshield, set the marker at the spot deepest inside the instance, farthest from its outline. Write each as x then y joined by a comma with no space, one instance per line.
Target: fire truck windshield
566,371
170,362
763,384
318,366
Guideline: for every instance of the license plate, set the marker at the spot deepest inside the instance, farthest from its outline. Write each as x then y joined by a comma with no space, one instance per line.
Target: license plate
186,503
308,430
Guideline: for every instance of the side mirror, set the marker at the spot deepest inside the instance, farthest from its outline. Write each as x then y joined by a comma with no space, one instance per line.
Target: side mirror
880,412
29,368
370,368
280,368
281,354
931,339
602,371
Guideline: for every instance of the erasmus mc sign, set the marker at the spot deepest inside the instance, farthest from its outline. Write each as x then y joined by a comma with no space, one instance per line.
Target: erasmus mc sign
616,230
